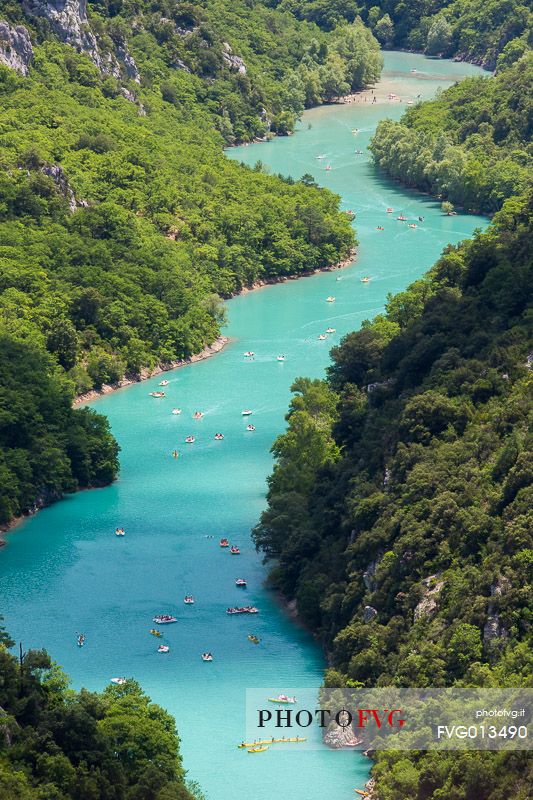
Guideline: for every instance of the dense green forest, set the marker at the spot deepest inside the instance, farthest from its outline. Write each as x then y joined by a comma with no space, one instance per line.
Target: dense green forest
474,30
400,507
57,744
122,224
471,145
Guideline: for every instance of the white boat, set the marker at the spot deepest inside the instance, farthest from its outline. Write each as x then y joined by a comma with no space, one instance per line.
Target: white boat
164,619
246,412
240,582
322,336
207,657
250,427
157,394
197,415
164,383
365,279
188,599
320,156
330,330
118,681
328,168
281,358
163,648
330,299
249,354
190,439
120,532
176,410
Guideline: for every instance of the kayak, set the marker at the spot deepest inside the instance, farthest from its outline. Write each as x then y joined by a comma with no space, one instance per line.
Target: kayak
261,742
258,749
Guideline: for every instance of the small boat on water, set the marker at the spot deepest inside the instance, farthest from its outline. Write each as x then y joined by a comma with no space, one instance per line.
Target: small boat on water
250,427
322,336
164,383
219,436
320,156
358,152
164,619
330,299
380,228
118,681
328,168
176,411
246,412
355,130
281,358
175,454
157,394
401,218
240,582
330,330
235,551
80,641
410,102
390,210
254,639
224,543
412,225
257,749
249,354
207,657
120,532
190,439
365,279
242,610
197,415
163,648
282,698
188,599
155,632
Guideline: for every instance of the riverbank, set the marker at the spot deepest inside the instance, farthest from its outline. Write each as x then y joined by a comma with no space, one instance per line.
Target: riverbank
146,373
208,351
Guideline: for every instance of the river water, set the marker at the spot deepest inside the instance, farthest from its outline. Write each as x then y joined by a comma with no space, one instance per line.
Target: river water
65,571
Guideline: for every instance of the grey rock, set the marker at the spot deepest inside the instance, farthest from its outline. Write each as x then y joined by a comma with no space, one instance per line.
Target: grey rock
428,605
55,172
16,51
68,20
235,63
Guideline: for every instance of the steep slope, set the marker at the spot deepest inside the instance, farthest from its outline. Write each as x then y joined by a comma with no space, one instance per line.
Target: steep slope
400,512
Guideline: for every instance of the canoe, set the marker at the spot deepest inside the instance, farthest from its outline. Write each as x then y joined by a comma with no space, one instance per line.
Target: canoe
258,749
261,742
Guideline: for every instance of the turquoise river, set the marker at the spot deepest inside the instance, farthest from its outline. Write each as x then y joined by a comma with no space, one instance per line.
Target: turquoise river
64,570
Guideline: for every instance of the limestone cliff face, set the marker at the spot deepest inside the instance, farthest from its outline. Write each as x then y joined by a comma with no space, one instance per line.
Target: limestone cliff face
15,47
68,20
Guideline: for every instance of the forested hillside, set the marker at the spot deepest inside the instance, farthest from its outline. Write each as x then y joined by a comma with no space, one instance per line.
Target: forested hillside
66,745
474,30
122,224
471,145
400,507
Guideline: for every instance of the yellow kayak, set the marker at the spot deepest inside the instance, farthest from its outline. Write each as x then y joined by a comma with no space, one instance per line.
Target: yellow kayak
258,749
246,745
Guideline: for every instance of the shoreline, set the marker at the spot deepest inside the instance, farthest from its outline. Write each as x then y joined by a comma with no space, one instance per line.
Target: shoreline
209,350
129,380
146,373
